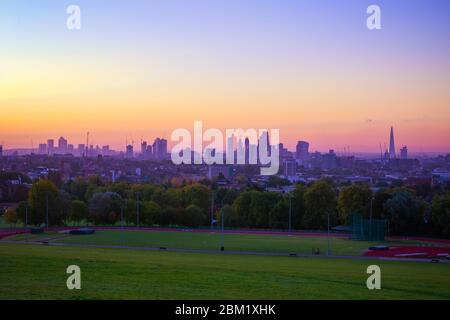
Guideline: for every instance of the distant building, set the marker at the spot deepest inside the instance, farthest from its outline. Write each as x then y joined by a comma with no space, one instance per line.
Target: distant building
70,148
81,150
160,149
216,171
42,148
50,146
392,153
149,151
62,145
404,152
105,150
289,168
129,153
1,151
302,151
144,148
329,160
264,140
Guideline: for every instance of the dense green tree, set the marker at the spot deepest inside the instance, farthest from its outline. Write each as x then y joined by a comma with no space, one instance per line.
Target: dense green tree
440,215
79,211
145,191
242,207
320,201
298,206
131,211
151,213
105,208
354,199
260,208
230,217
11,216
78,188
380,198
193,216
405,213
279,214
198,195
169,216
40,192
23,211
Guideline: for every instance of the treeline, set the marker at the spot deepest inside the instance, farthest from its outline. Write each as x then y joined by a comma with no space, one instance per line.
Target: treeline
181,203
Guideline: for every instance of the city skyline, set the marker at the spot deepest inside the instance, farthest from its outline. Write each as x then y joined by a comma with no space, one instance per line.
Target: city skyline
146,149
310,68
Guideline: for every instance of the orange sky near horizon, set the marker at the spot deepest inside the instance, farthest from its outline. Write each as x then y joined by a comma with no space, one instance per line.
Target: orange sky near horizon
336,87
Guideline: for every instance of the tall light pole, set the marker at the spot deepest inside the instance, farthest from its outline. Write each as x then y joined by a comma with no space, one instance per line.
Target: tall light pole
122,226
328,251
137,209
26,215
212,211
46,208
290,212
371,213
222,247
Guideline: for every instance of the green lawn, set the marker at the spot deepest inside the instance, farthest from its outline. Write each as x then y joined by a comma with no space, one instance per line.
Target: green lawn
38,272
208,241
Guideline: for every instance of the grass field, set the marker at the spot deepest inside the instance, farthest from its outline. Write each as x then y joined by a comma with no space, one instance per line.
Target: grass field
209,241
38,272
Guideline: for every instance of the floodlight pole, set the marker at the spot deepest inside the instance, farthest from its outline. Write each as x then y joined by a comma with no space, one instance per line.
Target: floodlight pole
121,222
26,215
290,212
137,209
328,251
222,247
370,223
46,209
212,211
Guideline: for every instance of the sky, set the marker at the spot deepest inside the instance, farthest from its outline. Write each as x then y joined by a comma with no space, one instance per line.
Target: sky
140,69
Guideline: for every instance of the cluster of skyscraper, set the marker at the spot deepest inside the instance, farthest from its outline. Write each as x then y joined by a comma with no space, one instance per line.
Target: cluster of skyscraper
157,150
63,147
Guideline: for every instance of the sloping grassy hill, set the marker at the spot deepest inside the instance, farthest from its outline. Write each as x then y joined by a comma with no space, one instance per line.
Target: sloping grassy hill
39,272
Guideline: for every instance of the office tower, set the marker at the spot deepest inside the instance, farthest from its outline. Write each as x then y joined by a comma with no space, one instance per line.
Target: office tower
50,146
70,148
149,151
1,151
62,145
130,152
81,150
105,150
144,148
160,149
283,152
329,160
302,151
264,141
247,151
404,152
42,148
290,168
392,154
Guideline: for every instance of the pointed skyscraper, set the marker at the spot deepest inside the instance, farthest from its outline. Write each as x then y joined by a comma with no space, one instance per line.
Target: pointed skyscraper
392,154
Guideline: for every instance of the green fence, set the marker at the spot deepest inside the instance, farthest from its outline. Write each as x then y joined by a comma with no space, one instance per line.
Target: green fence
367,229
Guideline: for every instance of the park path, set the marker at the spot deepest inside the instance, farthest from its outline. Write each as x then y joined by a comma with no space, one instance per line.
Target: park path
267,254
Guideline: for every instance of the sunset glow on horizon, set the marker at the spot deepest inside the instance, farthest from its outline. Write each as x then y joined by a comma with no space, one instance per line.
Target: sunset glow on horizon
141,69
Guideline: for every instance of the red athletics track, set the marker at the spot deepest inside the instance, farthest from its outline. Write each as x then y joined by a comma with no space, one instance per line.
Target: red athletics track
9,233
410,252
